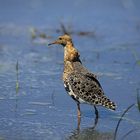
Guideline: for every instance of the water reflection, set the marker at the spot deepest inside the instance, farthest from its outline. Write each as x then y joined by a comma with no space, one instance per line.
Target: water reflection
90,134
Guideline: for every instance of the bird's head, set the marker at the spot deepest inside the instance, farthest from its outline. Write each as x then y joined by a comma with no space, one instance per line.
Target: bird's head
62,40
70,53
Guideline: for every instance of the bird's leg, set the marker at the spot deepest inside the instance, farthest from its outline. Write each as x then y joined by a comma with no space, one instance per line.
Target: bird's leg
97,117
78,116
78,123
78,110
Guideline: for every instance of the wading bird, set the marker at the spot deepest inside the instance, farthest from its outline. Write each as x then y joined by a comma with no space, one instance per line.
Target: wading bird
80,83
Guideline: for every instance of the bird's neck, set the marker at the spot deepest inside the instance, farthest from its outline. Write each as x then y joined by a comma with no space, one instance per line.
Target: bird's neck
71,56
70,53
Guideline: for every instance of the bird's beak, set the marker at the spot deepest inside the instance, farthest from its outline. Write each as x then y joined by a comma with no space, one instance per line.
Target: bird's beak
55,42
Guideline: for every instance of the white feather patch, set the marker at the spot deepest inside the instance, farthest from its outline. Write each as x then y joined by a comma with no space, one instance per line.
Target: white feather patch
71,93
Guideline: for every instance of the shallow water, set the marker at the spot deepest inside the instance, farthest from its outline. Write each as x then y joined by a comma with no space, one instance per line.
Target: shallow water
107,34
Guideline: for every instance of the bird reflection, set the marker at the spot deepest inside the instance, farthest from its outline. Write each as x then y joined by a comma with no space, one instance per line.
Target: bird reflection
90,134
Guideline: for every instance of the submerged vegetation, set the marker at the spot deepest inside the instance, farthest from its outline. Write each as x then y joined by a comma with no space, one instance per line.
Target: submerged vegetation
36,33
138,99
121,118
17,77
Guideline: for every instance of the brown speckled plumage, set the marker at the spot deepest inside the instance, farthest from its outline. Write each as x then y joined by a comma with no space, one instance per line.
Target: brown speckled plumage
81,84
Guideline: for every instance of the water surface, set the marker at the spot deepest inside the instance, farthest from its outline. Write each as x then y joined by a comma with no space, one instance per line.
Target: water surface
40,109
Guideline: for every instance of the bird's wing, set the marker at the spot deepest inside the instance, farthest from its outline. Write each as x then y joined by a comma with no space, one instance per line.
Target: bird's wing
93,77
85,86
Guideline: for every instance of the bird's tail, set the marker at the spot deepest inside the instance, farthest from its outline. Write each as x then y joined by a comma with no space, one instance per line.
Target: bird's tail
108,103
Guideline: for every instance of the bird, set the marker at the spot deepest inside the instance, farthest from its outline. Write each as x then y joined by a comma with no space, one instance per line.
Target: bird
81,84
